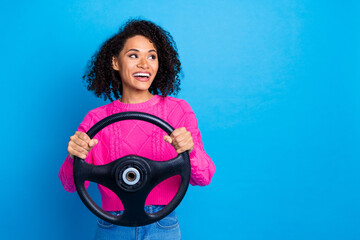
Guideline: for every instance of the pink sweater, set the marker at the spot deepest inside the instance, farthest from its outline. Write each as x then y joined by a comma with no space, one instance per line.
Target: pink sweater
143,139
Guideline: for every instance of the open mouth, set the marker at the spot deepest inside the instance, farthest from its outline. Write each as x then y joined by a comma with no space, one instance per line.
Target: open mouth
141,76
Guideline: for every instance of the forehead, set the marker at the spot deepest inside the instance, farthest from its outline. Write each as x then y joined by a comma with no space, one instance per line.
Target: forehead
140,43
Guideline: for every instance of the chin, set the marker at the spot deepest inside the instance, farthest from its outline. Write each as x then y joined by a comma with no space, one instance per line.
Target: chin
144,85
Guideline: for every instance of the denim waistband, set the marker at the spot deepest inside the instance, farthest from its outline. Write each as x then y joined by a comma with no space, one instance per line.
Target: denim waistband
148,209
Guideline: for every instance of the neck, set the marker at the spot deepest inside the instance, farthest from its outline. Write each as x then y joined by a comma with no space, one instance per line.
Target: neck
136,97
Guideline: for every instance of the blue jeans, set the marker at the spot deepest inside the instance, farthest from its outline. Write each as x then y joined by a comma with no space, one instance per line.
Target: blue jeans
166,228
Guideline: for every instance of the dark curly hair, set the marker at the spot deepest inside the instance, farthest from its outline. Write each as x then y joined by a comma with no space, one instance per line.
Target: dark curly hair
106,82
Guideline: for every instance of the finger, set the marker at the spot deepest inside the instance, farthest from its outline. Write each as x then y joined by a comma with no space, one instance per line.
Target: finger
83,136
73,152
93,142
79,155
168,139
183,137
73,147
186,142
185,148
178,132
81,143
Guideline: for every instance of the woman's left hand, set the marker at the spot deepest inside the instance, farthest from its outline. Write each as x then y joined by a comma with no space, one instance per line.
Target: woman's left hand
181,139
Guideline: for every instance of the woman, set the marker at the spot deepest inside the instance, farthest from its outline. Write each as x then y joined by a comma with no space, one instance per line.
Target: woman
139,67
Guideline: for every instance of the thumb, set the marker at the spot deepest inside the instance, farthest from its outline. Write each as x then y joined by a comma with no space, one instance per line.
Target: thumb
168,139
93,142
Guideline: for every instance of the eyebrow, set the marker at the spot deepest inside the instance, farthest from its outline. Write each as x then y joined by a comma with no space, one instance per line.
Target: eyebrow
137,50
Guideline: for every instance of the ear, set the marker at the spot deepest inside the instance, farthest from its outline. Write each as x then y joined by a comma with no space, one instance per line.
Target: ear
115,63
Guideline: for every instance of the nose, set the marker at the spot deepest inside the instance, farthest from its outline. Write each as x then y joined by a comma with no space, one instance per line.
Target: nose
143,63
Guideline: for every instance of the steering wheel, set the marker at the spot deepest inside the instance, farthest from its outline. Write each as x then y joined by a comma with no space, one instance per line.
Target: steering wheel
132,177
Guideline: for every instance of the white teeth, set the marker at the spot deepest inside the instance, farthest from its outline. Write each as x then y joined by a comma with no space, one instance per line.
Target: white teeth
141,75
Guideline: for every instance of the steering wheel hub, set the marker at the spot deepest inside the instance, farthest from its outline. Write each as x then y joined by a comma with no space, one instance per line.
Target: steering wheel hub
131,173
131,176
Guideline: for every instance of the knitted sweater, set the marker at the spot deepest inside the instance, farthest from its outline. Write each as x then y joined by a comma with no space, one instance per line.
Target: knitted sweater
144,139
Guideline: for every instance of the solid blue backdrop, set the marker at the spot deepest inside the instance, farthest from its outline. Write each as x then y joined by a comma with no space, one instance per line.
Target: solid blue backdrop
275,88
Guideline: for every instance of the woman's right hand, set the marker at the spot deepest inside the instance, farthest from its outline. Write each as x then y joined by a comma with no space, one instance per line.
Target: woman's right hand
80,144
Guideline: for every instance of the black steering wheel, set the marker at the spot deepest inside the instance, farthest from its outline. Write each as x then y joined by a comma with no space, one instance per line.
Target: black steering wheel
132,177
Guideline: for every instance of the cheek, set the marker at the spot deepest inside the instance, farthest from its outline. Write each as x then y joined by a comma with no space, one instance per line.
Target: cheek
156,67
125,69
125,77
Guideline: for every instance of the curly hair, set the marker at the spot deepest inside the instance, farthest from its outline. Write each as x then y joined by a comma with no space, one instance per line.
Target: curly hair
106,82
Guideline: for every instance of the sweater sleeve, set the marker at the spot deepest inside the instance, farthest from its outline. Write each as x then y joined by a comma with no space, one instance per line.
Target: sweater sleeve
66,170
202,167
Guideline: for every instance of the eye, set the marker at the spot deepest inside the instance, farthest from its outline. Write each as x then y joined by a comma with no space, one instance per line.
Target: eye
152,57
133,55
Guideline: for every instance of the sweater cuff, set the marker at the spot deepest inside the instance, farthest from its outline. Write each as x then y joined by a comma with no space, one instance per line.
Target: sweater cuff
66,175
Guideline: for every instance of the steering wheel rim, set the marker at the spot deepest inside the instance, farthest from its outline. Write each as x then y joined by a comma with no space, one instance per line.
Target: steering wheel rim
133,197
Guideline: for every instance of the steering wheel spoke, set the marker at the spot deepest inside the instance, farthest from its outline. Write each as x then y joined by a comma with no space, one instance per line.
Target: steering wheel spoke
161,170
134,204
101,174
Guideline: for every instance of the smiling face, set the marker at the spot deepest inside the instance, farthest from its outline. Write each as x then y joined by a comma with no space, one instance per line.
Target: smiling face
137,64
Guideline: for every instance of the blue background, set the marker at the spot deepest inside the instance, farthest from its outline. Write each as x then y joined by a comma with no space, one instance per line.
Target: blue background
275,88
